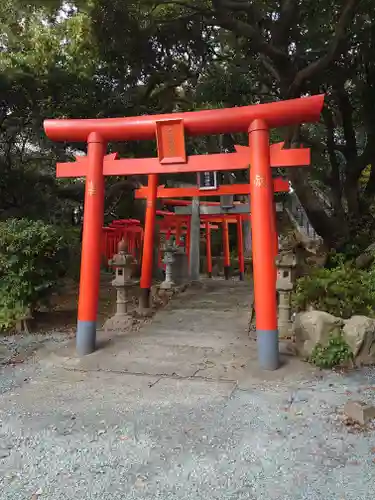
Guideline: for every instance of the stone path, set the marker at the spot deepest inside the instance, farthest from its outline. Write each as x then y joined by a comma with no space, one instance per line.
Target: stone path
179,410
201,333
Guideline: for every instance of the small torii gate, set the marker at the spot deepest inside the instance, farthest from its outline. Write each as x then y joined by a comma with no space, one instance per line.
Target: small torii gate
169,131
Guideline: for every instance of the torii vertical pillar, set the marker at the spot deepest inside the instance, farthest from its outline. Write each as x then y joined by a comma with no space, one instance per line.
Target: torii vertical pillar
91,246
226,249
208,250
276,236
148,243
240,248
263,240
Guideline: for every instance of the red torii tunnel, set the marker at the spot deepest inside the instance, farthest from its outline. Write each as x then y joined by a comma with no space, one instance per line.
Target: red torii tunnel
178,226
170,131
207,224
279,185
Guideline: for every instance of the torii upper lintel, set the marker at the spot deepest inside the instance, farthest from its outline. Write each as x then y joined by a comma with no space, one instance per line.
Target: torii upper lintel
212,121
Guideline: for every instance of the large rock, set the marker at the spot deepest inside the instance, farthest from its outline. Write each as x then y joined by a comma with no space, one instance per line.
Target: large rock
359,333
313,327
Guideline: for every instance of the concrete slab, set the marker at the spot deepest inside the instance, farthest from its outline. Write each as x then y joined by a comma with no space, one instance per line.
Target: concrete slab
291,369
140,358
205,305
217,340
232,325
179,341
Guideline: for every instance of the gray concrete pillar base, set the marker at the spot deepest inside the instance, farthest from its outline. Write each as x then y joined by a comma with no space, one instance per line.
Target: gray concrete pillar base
144,298
226,272
144,308
86,337
143,312
268,349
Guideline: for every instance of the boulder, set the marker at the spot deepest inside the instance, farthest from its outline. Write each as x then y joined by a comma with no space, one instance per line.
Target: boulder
359,333
313,327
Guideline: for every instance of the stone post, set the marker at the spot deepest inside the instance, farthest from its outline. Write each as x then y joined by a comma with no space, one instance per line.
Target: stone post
124,266
194,240
179,267
285,262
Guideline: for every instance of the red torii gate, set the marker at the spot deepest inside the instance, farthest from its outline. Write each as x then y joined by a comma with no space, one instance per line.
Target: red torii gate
169,131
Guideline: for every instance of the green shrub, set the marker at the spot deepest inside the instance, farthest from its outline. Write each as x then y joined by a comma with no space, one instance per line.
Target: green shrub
70,251
336,259
342,291
369,280
34,258
335,353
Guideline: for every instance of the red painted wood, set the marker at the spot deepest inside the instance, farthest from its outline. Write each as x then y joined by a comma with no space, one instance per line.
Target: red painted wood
196,163
170,139
280,186
212,121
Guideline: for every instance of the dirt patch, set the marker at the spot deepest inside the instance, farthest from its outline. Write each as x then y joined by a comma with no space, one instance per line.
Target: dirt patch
62,315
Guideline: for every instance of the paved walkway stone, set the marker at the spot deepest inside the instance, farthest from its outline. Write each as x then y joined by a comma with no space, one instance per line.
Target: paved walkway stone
202,332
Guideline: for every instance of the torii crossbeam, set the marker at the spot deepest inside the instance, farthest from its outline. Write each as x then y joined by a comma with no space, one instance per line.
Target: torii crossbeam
279,186
197,163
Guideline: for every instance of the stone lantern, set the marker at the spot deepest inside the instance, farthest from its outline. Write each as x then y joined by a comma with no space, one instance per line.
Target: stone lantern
169,257
124,266
285,263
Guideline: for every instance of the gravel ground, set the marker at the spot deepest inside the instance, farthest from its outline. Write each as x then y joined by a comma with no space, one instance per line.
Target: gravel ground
95,433
74,435
15,349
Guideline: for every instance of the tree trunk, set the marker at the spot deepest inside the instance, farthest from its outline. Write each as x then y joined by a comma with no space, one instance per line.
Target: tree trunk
352,195
325,225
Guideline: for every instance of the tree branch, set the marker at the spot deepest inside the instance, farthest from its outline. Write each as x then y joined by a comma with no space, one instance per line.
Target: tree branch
368,154
333,52
355,163
334,178
288,14
240,5
317,144
241,28
269,67
346,111
182,3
